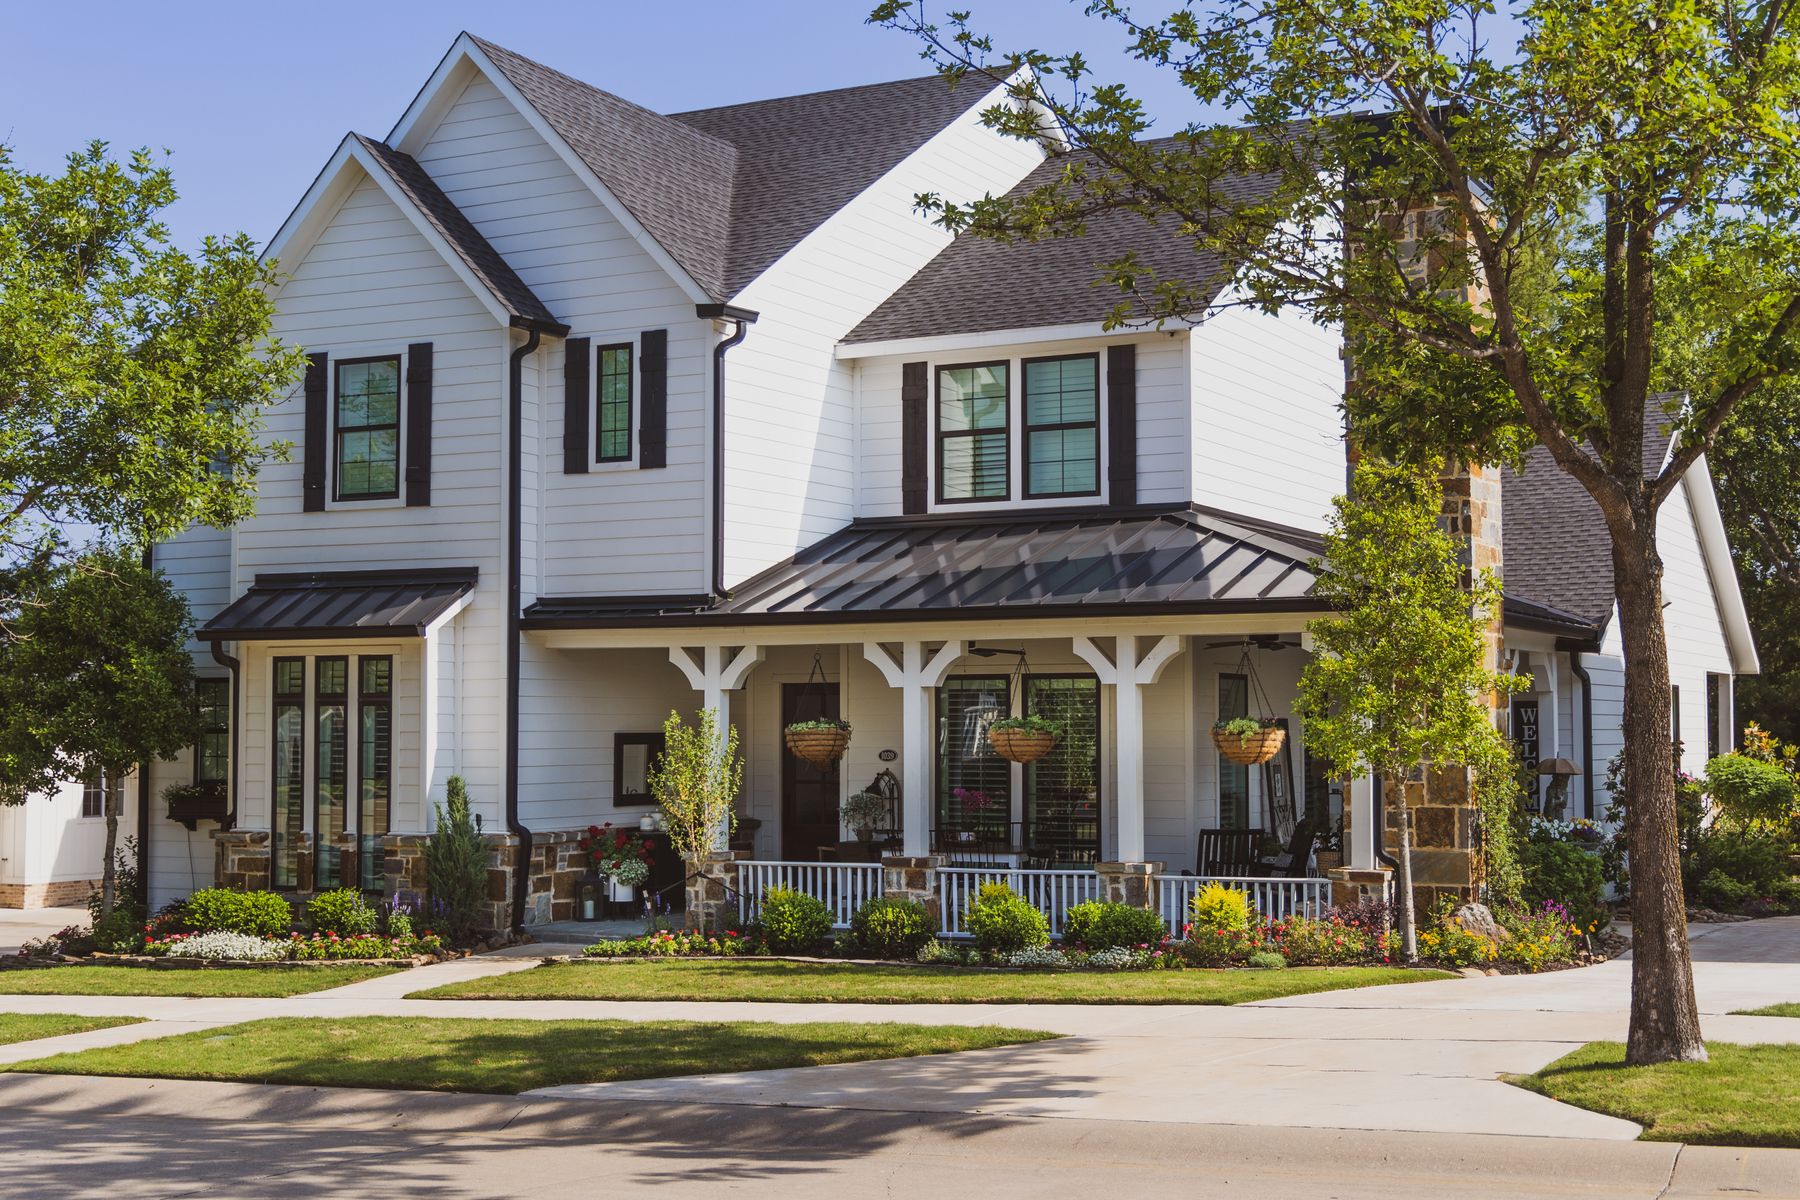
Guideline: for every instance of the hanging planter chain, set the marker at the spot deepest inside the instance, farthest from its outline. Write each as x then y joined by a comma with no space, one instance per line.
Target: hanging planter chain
1021,739
1250,747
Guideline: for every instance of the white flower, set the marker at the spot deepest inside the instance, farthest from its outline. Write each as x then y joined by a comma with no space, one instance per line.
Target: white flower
221,945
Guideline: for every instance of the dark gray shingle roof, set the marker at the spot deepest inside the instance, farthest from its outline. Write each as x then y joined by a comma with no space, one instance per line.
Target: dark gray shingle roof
976,284
480,257
1556,550
400,603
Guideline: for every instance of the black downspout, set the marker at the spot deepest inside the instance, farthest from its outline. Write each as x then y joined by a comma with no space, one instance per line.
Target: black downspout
232,665
515,421
1587,733
743,318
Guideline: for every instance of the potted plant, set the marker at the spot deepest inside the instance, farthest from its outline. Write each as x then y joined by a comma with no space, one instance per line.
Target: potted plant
1248,740
820,742
977,806
864,813
190,803
618,856
1023,739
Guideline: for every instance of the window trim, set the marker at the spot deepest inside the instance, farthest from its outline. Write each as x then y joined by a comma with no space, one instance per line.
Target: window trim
939,436
207,681
88,787
337,428
279,699
631,402
1026,428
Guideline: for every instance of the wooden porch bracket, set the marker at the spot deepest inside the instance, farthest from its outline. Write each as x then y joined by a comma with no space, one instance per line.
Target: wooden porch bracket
1128,672
916,676
715,676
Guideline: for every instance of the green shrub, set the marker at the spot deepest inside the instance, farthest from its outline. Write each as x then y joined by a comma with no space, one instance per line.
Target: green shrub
1003,922
456,866
1267,960
1563,872
890,928
118,932
259,914
1099,925
399,923
1537,939
1216,906
793,922
342,911
1327,942
1748,790
1728,868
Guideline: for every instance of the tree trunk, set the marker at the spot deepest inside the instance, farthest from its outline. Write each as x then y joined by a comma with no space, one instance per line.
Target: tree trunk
108,882
1395,791
1665,1018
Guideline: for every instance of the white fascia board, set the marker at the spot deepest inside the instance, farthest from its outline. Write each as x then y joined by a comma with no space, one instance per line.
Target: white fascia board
953,342
441,90
309,217
1715,550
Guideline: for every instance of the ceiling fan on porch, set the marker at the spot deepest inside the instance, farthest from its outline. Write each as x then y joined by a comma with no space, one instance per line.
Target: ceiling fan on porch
1261,641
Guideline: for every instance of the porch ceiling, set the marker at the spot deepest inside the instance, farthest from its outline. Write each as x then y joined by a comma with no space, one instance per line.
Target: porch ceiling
1022,564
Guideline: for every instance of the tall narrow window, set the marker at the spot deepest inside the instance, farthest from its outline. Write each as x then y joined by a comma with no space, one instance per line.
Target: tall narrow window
1675,717
288,825
331,689
212,753
1717,737
374,763
1062,426
368,428
1234,778
93,797
974,783
972,433
612,391
1062,793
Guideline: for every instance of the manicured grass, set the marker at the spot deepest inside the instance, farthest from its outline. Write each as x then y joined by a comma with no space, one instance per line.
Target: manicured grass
151,981
460,1054
1774,1010
29,1027
1743,1096
712,979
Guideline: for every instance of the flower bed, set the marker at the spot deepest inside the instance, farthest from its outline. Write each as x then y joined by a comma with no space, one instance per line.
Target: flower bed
220,946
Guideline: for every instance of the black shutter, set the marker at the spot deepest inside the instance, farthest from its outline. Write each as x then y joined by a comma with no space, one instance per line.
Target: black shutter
653,387
914,397
312,473
1121,425
418,425
577,403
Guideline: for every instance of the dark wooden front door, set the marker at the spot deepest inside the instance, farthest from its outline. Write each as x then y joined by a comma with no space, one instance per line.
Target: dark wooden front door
809,794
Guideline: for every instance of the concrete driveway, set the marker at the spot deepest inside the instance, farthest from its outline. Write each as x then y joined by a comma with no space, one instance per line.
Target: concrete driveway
20,925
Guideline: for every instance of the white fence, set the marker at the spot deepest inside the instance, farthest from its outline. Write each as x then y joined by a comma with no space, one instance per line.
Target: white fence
1050,892
1273,898
844,887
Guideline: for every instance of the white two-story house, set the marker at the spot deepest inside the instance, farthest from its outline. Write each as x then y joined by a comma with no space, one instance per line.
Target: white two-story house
611,413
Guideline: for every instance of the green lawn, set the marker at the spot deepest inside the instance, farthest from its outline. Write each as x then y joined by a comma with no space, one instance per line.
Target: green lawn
150,981
1743,1096
29,1027
459,1054
712,979
1774,1010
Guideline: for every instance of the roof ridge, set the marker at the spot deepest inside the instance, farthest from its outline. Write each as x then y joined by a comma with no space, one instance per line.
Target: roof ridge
850,87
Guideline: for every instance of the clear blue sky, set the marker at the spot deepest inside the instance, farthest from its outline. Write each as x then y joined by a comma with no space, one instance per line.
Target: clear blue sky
251,98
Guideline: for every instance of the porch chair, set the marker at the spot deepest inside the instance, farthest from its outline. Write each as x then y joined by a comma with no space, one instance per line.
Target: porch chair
1229,853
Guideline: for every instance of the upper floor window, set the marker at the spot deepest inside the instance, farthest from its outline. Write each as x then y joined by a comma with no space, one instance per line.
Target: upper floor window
212,753
613,391
1062,426
367,421
972,432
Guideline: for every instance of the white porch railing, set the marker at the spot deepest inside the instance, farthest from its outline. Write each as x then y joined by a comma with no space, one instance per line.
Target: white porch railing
844,887
1274,898
1050,892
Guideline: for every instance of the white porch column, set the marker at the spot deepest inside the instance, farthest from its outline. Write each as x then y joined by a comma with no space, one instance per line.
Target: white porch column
1361,836
1128,672
1553,685
715,676
916,676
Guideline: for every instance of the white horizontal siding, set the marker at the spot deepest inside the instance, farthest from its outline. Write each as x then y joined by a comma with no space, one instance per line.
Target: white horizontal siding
1697,645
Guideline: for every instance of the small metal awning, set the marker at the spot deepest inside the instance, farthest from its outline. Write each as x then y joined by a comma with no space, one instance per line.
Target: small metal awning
341,604
1084,563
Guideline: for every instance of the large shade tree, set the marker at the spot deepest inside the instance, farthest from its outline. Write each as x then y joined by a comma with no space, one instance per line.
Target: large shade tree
1535,186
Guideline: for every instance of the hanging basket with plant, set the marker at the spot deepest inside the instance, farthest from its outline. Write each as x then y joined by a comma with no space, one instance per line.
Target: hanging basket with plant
1248,740
820,742
1023,739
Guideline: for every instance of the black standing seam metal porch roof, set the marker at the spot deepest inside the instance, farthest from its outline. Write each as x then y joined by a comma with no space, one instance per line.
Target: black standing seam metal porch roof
1046,563
340,604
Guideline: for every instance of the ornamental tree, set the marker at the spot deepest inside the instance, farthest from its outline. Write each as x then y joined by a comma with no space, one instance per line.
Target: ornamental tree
1398,678
1497,212
695,779
95,681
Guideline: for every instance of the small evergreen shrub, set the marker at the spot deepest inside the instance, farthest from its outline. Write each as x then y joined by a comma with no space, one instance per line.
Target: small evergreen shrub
1267,960
342,911
456,866
259,914
1003,922
890,928
1558,871
1216,906
1100,925
793,922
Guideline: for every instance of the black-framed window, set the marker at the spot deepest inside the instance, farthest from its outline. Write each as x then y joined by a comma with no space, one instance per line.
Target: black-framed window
974,783
1234,778
374,763
612,397
973,410
331,718
1062,789
1061,426
1675,715
288,822
212,752
634,754
367,428
93,797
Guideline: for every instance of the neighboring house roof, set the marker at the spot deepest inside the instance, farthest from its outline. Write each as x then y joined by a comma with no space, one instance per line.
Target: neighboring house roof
310,604
727,191
482,260
1555,548
976,284
1021,564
